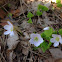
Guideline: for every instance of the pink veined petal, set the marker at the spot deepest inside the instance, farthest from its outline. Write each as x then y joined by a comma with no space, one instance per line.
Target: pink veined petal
35,35
52,40
55,35
6,32
31,41
40,40
37,43
9,23
11,33
7,27
56,44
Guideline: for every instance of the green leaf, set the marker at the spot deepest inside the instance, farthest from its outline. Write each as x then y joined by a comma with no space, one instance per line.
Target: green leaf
60,31
58,1
43,35
30,15
30,20
55,32
49,32
38,13
49,45
44,46
43,8
9,14
59,5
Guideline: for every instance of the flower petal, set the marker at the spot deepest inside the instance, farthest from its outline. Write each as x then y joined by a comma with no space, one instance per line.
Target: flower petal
11,33
7,27
35,35
56,44
46,28
52,40
38,42
55,35
60,41
6,32
9,23
31,41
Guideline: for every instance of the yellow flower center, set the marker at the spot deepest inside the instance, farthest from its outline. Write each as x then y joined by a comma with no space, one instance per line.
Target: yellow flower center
57,39
36,39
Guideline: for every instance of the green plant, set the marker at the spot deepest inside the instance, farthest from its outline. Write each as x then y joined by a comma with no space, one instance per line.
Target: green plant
30,15
49,36
41,9
39,12
58,3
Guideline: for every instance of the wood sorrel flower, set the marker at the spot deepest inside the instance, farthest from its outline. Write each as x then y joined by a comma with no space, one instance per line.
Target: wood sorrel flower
36,39
56,40
46,28
9,29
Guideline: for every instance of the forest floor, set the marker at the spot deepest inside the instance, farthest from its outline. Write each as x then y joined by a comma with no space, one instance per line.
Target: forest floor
24,51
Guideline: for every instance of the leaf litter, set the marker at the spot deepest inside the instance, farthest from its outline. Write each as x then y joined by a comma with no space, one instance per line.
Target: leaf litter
23,51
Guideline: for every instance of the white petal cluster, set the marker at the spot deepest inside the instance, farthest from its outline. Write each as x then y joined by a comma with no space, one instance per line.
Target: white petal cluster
36,39
56,40
9,29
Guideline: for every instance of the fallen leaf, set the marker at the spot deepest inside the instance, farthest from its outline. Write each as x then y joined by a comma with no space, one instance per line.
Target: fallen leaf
58,60
56,53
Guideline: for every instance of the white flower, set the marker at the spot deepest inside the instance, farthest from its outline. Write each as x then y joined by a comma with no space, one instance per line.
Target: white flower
35,39
56,40
9,29
46,28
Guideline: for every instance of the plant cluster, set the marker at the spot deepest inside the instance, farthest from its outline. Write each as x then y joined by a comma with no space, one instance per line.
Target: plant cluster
58,3
48,37
39,12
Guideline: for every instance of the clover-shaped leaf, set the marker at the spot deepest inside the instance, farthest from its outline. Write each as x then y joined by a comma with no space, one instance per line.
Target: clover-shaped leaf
30,15
30,20
38,13
43,8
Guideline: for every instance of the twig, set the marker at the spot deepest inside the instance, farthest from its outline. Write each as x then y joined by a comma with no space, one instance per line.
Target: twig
22,8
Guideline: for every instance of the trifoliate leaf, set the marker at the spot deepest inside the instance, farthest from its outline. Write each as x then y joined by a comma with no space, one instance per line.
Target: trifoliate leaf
30,15
30,20
44,46
49,32
43,35
59,5
58,1
43,8
60,31
38,13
